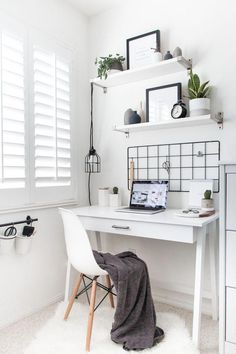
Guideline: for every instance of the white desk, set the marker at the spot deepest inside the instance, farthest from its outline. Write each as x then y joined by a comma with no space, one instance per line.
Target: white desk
162,226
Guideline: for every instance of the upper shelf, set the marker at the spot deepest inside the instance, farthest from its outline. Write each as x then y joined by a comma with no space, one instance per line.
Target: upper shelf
162,68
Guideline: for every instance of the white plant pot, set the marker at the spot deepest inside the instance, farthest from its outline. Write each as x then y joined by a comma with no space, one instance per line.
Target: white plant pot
7,244
199,106
208,204
23,244
114,200
156,57
103,197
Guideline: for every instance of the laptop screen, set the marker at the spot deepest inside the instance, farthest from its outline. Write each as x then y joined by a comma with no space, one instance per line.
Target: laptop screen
149,194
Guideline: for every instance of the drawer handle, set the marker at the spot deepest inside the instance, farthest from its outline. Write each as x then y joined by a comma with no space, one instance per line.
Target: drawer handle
120,227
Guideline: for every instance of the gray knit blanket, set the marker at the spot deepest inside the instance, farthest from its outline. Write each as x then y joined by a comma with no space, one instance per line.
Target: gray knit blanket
134,323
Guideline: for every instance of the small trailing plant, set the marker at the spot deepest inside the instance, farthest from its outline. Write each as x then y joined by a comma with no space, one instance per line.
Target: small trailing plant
195,88
105,64
207,194
115,190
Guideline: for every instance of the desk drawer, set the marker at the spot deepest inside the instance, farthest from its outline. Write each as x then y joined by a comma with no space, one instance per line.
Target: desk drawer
231,258
231,315
178,233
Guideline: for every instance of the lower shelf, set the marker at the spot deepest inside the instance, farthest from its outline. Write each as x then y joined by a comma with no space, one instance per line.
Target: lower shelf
174,123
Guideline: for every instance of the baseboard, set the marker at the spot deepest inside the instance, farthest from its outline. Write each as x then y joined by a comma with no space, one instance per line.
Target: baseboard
171,294
180,299
36,309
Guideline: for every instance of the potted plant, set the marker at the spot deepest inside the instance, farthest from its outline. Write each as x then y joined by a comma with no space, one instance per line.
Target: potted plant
114,198
199,102
110,64
207,201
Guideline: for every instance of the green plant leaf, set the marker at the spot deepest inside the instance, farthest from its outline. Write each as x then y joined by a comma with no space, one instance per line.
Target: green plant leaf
192,93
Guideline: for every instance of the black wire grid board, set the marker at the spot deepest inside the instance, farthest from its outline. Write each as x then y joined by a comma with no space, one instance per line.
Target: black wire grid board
178,163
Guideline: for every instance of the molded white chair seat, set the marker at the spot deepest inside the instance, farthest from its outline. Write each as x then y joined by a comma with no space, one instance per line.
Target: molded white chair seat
81,257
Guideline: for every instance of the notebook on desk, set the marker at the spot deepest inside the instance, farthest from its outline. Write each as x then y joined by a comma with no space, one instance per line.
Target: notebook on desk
147,197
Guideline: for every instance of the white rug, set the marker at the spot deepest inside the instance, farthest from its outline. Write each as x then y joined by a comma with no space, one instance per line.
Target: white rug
68,337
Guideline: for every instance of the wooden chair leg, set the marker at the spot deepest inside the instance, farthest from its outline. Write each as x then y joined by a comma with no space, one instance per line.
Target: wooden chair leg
91,315
73,296
108,281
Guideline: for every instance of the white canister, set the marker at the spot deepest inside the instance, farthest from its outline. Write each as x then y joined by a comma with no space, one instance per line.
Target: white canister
114,200
103,197
23,244
156,57
6,244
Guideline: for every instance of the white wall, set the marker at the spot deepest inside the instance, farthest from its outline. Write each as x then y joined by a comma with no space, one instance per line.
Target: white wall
28,283
204,31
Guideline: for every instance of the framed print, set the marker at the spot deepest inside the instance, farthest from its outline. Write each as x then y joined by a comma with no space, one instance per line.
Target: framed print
138,49
160,101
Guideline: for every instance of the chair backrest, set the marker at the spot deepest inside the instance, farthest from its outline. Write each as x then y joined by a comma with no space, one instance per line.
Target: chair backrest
78,247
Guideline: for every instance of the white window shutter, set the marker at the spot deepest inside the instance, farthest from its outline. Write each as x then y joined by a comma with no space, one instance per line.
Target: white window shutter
52,119
12,112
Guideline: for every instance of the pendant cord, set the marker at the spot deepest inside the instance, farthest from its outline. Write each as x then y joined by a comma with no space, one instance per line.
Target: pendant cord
91,115
91,141
89,188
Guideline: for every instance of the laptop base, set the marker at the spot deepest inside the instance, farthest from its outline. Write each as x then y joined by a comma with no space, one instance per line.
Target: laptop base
139,211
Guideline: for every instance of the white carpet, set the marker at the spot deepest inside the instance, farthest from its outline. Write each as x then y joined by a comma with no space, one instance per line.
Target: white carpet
62,337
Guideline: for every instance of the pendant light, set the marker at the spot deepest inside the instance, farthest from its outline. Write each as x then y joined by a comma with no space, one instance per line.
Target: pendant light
92,159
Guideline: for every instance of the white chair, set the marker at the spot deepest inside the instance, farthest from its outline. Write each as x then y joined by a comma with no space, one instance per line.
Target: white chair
81,257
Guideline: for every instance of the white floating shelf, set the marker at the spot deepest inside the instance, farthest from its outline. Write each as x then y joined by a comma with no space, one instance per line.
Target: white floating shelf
165,67
174,123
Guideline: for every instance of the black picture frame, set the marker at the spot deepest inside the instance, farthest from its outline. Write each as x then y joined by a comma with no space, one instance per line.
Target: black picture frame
136,38
171,98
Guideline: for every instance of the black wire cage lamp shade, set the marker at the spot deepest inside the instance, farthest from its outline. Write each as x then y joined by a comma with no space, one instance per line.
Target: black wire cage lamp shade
92,159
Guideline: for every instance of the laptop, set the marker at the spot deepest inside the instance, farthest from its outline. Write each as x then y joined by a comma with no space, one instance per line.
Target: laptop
147,197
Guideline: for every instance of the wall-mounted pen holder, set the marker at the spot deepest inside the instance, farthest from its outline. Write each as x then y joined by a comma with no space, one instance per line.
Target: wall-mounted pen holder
7,244
23,244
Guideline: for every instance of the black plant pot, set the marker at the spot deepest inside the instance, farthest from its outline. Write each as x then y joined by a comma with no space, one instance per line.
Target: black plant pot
117,65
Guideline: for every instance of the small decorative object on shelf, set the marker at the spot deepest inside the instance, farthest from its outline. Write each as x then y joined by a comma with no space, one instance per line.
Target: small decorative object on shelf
131,117
108,65
157,55
114,199
139,52
207,201
179,110
141,112
177,52
199,103
168,55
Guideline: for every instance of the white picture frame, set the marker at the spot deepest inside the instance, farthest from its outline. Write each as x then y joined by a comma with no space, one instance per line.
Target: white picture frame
196,191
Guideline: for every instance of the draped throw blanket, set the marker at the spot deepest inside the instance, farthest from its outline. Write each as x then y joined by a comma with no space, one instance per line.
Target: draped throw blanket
134,323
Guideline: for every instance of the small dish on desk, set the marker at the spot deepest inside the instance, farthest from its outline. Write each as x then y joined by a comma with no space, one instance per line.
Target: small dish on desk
194,213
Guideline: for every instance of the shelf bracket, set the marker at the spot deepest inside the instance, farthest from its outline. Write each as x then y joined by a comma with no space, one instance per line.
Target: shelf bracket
219,119
103,87
190,65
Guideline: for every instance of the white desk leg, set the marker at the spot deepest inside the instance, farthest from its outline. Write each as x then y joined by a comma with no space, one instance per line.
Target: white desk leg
212,250
98,240
67,286
199,275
